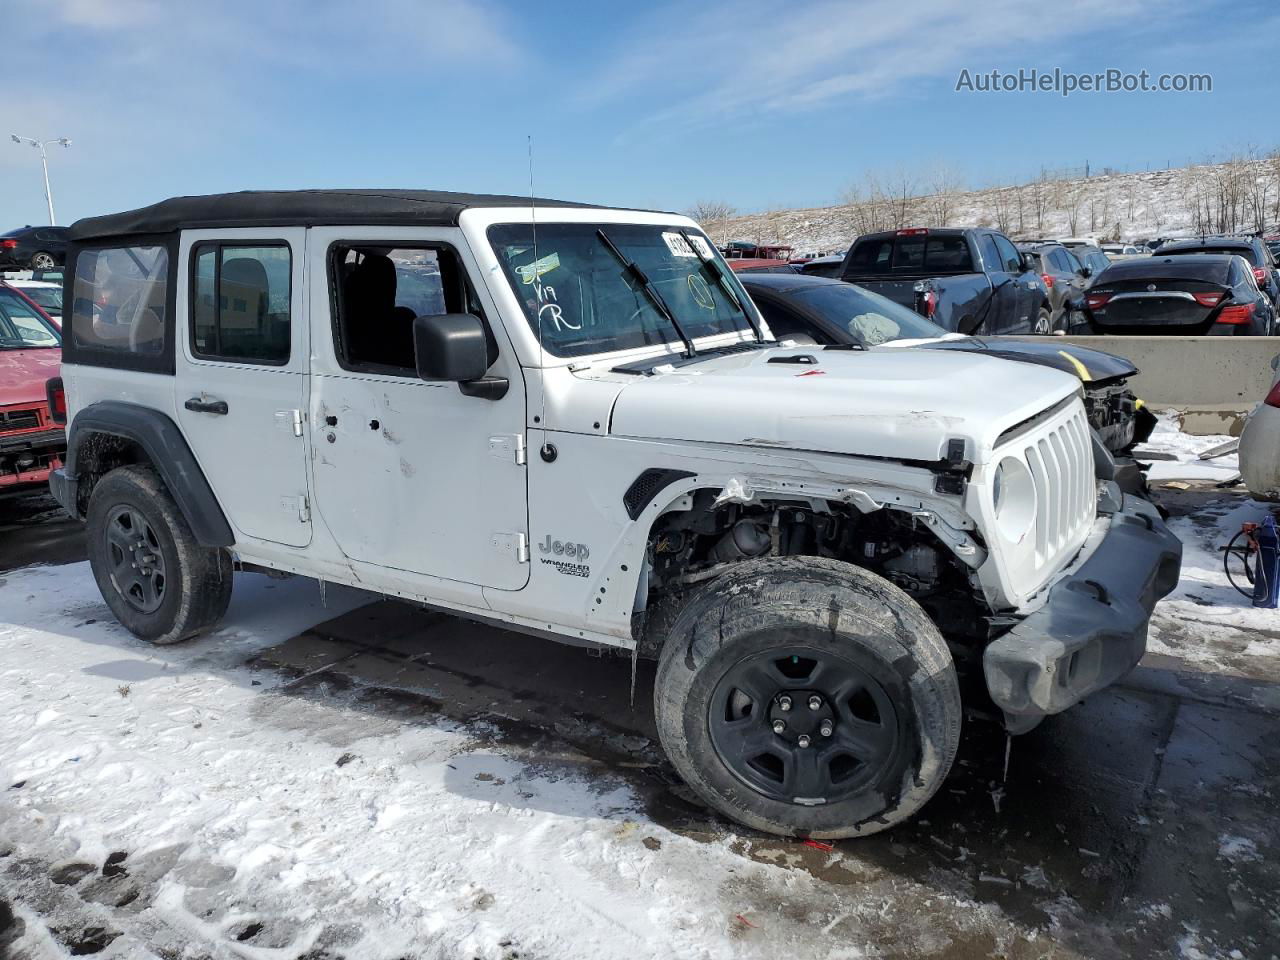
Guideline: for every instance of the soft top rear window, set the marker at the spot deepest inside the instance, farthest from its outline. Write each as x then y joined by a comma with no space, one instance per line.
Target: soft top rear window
120,307
916,253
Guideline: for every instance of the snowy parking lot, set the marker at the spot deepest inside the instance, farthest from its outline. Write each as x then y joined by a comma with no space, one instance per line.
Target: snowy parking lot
352,777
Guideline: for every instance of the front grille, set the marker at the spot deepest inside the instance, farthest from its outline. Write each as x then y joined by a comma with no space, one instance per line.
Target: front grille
1061,462
19,419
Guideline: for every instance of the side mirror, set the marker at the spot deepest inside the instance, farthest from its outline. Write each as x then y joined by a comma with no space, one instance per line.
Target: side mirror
452,347
1086,271
1029,264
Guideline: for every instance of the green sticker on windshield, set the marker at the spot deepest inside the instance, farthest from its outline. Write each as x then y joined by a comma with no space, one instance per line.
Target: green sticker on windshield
539,268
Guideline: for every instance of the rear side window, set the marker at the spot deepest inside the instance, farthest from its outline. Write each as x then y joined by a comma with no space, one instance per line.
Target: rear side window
240,302
120,302
990,256
1008,253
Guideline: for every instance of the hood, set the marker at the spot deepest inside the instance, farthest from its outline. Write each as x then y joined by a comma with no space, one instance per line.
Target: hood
899,404
23,374
1083,362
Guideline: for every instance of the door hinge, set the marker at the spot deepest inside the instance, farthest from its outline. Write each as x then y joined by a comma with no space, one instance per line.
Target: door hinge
290,420
516,544
304,509
508,445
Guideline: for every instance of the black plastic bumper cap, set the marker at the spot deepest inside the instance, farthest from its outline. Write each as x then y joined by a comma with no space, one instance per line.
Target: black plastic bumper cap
1092,629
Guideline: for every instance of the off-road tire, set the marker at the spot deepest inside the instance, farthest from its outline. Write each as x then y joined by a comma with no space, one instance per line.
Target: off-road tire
844,612
43,260
197,587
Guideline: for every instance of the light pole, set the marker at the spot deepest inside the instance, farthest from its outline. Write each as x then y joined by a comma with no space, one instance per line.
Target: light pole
44,164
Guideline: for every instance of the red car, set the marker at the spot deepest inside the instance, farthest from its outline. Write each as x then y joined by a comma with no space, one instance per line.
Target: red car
31,443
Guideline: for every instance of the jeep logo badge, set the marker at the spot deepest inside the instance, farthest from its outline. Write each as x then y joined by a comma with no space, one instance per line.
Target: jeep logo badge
563,548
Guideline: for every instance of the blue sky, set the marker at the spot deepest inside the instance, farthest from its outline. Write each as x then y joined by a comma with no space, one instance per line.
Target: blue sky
656,104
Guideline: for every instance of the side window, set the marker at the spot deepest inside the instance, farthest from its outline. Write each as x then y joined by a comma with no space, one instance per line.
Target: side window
240,297
784,324
119,300
991,258
378,290
1008,255
1070,262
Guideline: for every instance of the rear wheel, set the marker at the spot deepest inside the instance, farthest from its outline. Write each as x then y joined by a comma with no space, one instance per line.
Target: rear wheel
1044,322
157,579
808,697
43,261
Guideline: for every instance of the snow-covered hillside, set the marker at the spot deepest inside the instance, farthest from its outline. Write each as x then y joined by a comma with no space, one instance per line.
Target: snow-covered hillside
1169,202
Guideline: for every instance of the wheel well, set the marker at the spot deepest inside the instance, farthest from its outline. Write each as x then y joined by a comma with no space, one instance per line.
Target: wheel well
96,455
700,540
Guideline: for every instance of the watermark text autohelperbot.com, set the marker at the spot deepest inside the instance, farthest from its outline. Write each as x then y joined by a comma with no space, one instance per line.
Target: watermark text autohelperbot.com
1065,83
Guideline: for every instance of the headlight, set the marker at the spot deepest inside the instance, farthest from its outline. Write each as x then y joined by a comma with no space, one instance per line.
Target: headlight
1013,499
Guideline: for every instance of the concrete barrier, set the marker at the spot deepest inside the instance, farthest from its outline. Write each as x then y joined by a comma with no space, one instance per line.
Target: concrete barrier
1212,381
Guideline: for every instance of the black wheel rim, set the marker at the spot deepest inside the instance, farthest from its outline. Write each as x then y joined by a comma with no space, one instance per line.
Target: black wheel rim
135,559
838,731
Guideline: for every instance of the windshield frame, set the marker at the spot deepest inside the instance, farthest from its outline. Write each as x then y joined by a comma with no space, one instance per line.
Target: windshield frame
478,224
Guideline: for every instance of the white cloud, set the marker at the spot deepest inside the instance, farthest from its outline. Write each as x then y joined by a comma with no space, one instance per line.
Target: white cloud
149,89
752,57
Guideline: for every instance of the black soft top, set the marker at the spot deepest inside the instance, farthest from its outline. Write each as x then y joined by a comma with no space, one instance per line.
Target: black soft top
258,208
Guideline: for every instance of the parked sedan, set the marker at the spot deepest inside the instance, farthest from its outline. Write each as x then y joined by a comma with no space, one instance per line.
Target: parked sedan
1065,278
1187,295
1252,249
35,248
819,310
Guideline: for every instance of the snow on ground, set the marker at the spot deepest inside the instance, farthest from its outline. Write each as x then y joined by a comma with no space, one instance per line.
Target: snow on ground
248,821
309,827
1205,621
1168,440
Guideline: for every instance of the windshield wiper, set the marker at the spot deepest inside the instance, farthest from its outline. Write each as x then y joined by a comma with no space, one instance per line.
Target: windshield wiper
713,266
650,290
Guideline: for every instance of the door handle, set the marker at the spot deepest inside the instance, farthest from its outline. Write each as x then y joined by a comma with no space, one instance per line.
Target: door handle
201,405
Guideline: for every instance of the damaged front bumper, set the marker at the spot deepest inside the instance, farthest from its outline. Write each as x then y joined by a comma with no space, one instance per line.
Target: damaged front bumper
1092,629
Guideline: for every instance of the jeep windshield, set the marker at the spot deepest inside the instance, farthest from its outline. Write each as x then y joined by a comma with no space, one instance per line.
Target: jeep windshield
581,298
22,327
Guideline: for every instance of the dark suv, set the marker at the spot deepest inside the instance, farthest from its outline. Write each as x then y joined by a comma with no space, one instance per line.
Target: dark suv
1251,248
34,248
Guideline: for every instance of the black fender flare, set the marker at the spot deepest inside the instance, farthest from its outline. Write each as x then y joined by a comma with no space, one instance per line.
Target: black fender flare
166,448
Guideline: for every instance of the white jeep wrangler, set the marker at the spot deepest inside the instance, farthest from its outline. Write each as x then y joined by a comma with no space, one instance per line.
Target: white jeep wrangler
572,421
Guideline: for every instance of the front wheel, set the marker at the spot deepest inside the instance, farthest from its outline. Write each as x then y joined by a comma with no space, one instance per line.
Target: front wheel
808,697
43,261
160,583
